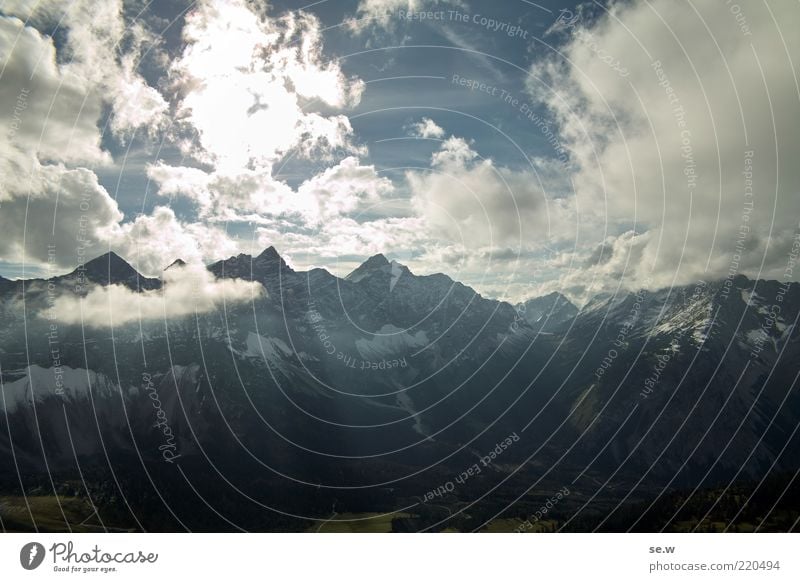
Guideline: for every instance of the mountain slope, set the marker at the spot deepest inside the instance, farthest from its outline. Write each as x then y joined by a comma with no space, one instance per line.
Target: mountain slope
328,388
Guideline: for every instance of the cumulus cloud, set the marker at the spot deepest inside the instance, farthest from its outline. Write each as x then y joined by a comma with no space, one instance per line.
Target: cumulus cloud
150,242
582,272
48,111
347,236
187,290
426,128
470,201
255,196
344,189
261,74
49,208
229,195
49,124
95,35
265,75
700,126
52,213
342,243
269,80
53,207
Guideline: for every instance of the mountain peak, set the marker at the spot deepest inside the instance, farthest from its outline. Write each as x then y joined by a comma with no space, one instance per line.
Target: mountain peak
376,263
270,253
111,269
257,268
271,259
111,264
549,311
175,263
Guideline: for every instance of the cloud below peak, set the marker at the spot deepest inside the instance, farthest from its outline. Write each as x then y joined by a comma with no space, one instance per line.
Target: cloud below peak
188,290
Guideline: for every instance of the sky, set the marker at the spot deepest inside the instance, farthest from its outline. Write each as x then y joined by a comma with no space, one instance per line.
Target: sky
519,147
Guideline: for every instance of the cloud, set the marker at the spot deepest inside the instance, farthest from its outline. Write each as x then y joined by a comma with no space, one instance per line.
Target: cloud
346,236
67,216
269,80
470,201
95,36
153,241
187,290
48,111
255,196
51,212
584,272
229,195
342,243
700,126
54,210
264,76
427,129
35,12
96,33
346,188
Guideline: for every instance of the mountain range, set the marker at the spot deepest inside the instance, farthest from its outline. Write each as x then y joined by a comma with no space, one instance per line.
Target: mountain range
359,395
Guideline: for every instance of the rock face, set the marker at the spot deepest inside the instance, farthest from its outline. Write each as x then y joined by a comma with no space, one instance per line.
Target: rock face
378,375
111,269
548,312
688,380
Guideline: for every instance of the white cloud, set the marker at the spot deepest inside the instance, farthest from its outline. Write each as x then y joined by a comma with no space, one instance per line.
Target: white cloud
187,290
346,188
664,146
342,238
49,211
427,128
48,207
267,78
346,236
229,195
301,61
48,111
135,103
34,11
192,183
472,202
95,33
261,75
54,211
254,196
580,274
151,242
